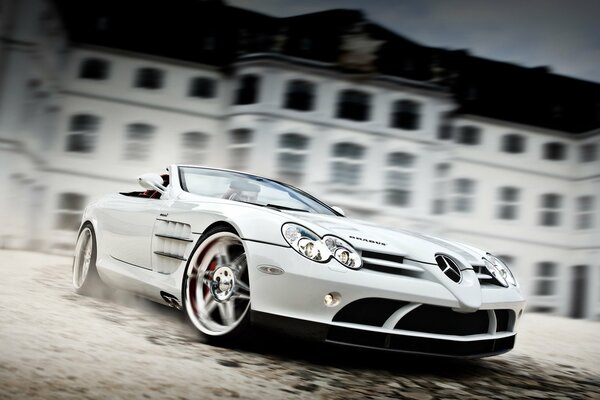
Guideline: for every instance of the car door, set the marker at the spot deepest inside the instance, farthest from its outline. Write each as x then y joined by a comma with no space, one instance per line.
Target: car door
128,224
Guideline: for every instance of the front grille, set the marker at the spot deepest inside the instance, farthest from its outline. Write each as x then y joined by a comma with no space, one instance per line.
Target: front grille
392,270
371,311
424,318
444,321
485,277
449,267
503,320
412,344
389,264
383,256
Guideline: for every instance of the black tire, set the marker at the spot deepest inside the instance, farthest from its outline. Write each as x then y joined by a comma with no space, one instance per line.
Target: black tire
91,285
238,333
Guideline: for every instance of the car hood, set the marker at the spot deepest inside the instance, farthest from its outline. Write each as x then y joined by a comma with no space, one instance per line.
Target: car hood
365,235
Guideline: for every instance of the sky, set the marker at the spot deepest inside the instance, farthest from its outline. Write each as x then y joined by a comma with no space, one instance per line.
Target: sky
561,34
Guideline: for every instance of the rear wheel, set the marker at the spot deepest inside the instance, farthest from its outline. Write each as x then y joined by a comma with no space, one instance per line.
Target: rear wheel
217,288
85,276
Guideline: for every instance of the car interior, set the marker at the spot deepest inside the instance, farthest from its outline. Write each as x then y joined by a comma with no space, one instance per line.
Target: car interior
149,194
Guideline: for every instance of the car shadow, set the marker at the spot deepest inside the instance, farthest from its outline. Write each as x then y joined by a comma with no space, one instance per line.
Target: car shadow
273,344
279,346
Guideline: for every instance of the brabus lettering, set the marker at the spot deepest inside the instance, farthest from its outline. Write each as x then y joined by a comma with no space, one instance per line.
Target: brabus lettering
367,240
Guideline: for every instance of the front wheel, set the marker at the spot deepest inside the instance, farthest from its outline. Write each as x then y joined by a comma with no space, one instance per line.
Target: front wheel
217,287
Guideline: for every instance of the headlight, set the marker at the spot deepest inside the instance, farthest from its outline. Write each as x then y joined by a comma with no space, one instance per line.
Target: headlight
343,252
499,270
311,246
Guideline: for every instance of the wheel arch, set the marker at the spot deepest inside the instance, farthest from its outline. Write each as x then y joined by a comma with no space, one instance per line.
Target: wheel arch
218,224
86,222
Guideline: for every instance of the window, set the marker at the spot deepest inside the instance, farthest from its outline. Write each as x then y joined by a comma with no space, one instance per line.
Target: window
399,171
195,147
299,95
291,157
82,133
137,141
440,188
470,135
94,68
545,279
445,129
353,105
247,91
69,210
513,143
33,94
508,203
347,163
240,149
406,115
149,78
588,152
472,93
209,42
550,206
464,195
306,44
201,87
554,151
584,212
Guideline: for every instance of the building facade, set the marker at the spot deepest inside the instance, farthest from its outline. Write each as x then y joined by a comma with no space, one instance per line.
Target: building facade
391,131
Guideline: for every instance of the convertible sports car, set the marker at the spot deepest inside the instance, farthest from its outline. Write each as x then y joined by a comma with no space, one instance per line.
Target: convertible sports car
235,250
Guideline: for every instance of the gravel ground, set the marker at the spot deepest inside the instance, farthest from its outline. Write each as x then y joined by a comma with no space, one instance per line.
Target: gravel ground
56,344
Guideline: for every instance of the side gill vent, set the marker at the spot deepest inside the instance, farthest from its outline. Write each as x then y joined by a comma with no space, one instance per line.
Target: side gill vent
449,267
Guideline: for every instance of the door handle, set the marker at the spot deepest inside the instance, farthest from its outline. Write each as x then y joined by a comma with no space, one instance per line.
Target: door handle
164,214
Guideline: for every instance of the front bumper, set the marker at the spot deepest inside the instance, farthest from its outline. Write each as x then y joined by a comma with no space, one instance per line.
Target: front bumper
393,342
374,307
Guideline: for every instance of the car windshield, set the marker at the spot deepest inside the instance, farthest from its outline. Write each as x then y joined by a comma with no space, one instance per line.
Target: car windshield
249,189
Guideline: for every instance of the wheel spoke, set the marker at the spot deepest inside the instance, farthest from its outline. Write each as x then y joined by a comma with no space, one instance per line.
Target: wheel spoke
207,277
241,285
209,304
85,267
239,266
227,312
222,254
240,296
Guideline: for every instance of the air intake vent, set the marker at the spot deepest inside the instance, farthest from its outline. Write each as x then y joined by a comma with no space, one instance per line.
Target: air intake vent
449,267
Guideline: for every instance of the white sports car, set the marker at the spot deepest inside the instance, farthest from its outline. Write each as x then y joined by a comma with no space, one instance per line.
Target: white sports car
235,250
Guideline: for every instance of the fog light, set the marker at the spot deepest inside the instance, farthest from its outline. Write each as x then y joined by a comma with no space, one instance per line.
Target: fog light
332,299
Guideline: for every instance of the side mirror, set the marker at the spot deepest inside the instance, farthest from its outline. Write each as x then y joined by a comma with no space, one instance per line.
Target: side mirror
339,210
152,182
